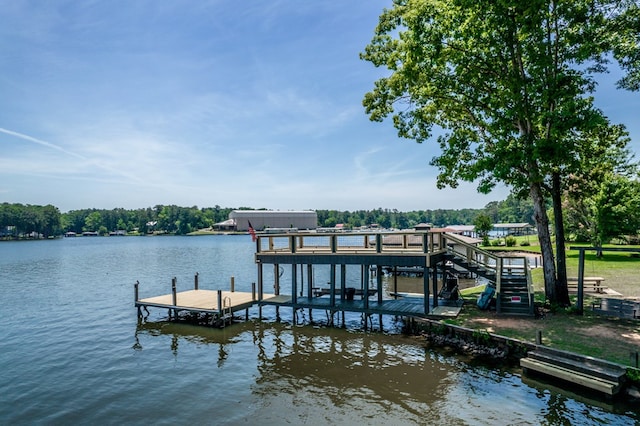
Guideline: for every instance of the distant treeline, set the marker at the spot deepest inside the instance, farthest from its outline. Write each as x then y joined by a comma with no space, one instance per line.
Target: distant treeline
508,211
30,221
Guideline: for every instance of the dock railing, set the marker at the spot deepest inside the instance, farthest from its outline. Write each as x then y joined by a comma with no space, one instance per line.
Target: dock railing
473,255
351,242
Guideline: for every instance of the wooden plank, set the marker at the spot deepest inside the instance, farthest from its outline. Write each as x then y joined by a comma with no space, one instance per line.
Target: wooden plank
568,375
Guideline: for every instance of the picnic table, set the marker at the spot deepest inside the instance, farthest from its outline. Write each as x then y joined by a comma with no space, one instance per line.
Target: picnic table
596,282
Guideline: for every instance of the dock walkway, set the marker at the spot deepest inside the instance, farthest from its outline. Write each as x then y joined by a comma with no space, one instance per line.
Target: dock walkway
411,306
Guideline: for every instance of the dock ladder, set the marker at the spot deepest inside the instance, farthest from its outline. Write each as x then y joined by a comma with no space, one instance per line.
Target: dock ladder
226,311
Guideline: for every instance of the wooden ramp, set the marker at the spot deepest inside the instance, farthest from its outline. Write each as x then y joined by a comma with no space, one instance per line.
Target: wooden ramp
588,372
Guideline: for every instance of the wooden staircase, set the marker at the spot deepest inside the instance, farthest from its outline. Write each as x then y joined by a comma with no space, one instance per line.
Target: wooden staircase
510,275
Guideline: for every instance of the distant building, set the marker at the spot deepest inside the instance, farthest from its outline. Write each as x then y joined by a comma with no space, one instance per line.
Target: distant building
269,219
423,226
504,229
466,230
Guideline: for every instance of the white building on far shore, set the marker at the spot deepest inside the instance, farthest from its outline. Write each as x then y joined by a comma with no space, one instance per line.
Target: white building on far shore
265,219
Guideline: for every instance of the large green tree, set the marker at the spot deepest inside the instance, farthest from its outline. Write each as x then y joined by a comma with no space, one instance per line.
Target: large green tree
603,199
483,225
506,84
612,211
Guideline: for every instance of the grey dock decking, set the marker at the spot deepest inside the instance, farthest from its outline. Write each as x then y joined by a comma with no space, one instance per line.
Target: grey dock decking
401,307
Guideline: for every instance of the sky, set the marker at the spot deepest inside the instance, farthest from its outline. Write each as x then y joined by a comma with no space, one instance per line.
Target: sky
244,103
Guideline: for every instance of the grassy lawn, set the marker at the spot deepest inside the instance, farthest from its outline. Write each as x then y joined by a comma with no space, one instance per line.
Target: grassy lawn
599,336
595,335
621,271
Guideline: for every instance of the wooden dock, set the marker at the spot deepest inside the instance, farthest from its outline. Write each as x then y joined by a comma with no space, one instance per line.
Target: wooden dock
426,254
217,306
370,252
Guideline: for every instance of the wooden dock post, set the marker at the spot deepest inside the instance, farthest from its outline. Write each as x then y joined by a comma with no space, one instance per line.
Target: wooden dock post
174,296
260,292
195,281
539,337
310,288
135,295
233,283
253,291
395,282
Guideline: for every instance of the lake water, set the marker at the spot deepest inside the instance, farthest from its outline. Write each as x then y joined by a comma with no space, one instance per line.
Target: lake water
73,352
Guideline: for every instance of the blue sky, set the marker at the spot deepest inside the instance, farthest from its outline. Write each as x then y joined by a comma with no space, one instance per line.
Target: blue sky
130,104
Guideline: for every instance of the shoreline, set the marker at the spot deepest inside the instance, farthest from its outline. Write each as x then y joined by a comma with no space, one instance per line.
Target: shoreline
496,349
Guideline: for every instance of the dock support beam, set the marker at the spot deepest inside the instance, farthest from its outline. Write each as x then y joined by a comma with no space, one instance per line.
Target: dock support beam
260,289
379,282
332,286
343,281
365,292
310,288
425,289
294,283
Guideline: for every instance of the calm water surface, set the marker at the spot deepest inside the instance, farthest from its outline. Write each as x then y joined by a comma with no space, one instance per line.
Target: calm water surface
73,352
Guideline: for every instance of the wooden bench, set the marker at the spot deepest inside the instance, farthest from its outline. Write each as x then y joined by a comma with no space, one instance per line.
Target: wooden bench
596,282
592,373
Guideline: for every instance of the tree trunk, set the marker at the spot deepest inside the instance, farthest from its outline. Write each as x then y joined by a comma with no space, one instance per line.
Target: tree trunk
544,237
562,290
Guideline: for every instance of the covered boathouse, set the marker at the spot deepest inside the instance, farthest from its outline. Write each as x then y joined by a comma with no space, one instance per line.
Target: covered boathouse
279,219
436,252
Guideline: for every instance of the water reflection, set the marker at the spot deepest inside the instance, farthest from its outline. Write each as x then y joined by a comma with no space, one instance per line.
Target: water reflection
349,362
331,375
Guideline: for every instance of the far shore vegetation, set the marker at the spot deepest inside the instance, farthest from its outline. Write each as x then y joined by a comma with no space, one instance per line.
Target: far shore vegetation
29,221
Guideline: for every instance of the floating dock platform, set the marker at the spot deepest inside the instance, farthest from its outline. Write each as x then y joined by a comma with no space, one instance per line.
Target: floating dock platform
217,306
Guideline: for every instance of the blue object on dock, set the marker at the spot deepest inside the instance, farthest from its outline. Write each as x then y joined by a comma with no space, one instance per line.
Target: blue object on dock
484,300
